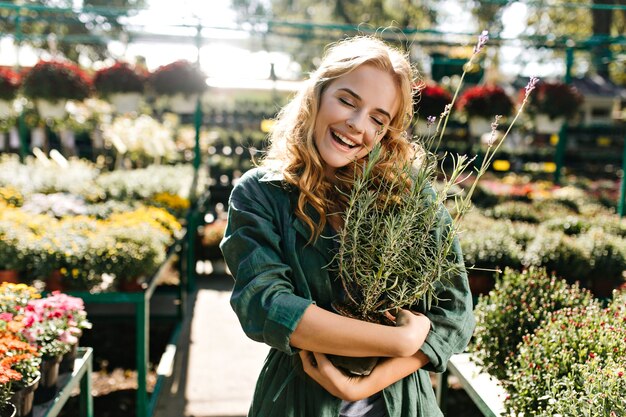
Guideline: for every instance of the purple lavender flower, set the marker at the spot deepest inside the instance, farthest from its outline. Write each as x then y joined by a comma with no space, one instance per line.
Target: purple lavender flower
482,40
430,120
531,85
494,129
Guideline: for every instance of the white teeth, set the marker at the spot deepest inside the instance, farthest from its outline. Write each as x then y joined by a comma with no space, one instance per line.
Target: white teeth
345,140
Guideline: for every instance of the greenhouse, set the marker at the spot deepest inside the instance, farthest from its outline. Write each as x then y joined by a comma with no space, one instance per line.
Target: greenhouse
269,208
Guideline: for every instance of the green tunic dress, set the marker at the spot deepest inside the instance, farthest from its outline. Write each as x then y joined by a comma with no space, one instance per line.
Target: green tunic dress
278,275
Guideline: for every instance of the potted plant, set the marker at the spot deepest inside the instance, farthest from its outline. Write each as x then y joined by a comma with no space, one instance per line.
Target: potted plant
552,103
570,337
9,86
431,101
519,303
122,85
51,83
181,82
481,104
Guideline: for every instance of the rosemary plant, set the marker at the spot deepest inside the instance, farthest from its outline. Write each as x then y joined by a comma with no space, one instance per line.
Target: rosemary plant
397,240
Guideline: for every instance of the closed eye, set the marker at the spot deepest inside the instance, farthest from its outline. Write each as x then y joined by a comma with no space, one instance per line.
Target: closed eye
378,121
346,102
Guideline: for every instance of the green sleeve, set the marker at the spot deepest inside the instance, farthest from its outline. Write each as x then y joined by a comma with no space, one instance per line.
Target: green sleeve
452,317
263,295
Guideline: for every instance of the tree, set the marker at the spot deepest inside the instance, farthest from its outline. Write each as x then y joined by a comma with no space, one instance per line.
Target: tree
368,15
576,19
58,24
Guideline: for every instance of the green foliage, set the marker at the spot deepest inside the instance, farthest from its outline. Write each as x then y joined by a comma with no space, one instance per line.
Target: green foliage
557,253
88,28
595,389
518,305
571,338
515,211
393,251
491,248
570,225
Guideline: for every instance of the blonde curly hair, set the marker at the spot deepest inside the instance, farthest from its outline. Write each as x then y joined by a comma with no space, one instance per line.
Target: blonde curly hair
292,148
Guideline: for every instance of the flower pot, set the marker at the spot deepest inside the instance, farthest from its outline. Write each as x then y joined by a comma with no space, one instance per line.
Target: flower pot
545,125
6,109
183,104
48,383
480,282
478,126
68,141
354,366
67,361
23,399
125,102
50,110
38,138
7,410
9,275
131,284
54,282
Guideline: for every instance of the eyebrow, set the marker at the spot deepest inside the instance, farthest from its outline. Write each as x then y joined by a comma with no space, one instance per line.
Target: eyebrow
358,97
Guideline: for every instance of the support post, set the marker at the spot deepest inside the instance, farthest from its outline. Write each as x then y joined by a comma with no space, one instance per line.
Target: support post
622,195
559,157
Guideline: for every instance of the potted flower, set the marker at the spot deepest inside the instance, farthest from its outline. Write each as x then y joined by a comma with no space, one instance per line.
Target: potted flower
552,103
122,85
11,257
9,86
431,101
181,82
51,83
481,104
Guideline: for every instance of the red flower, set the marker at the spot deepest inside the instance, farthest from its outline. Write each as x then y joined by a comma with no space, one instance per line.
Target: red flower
9,84
431,100
485,101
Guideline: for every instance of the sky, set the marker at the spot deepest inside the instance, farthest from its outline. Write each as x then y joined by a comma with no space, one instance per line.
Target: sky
228,56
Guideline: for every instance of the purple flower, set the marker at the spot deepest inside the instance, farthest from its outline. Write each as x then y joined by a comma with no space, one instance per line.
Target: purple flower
531,85
430,120
482,40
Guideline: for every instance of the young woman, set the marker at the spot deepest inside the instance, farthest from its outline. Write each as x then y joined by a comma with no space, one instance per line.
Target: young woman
279,246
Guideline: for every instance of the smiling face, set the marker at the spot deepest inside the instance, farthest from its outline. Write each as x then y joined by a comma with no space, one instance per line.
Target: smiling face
354,114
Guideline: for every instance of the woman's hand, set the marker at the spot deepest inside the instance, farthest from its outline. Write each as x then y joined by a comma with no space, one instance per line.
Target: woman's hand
413,327
321,370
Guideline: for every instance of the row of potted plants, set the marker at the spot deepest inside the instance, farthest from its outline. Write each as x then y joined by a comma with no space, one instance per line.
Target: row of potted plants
552,100
81,252
154,184
579,240
554,348
39,337
54,82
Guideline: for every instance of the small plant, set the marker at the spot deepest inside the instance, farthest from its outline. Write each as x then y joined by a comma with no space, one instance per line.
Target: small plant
178,77
491,249
55,81
485,101
570,337
118,78
515,211
555,99
432,100
518,305
595,389
559,254
9,84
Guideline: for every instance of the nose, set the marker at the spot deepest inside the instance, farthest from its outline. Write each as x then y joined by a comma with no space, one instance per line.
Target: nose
354,123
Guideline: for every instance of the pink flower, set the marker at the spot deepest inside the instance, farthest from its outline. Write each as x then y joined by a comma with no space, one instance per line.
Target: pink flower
6,316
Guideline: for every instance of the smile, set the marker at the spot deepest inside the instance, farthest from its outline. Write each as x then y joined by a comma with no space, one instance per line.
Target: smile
342,140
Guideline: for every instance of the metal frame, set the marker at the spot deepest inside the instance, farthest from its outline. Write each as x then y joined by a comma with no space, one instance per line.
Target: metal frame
80,377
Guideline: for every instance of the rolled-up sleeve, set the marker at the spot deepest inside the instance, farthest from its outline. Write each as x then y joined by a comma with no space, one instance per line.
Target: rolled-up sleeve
452,317
263,295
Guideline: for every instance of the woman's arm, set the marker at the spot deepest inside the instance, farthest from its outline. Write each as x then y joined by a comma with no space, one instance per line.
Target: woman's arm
387,372
322,331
